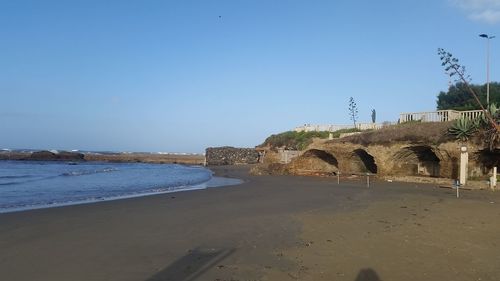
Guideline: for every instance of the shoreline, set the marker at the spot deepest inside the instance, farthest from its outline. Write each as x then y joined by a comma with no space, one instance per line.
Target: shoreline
267,228
214,182
200,186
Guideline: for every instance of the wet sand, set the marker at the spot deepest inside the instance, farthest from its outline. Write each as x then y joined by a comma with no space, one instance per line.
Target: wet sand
269,228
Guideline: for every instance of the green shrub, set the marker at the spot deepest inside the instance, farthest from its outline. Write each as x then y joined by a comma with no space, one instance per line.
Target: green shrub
336,134
293,140
299,140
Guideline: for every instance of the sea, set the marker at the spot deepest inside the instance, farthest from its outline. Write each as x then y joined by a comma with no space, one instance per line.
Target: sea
26,185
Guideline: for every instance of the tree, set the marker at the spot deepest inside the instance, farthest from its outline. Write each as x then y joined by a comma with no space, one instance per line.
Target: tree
458,98
353,111
374,116
452,68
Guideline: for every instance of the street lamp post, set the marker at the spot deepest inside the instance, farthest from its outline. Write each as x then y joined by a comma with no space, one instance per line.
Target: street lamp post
487,67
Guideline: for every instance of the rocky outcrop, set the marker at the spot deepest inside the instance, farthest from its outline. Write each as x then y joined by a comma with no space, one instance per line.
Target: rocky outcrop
398,160
226,155
11,155
60,156
188,159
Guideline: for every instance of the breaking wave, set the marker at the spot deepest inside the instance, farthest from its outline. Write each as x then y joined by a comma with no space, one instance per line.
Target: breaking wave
88,172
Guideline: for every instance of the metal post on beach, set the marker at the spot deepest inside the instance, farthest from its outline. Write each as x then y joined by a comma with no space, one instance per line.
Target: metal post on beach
367,179
338,177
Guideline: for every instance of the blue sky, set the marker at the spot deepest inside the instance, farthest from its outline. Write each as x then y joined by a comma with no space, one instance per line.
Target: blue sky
180,76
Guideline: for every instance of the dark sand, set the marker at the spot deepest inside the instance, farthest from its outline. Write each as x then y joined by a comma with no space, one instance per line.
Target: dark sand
269,228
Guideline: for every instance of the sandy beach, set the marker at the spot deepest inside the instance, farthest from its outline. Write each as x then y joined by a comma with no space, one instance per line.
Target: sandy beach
269,228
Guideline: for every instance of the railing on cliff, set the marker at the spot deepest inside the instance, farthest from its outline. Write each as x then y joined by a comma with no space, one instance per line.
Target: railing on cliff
439,116
429,116
334,127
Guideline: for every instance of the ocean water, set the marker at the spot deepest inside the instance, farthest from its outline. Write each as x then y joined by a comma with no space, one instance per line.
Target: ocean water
38,184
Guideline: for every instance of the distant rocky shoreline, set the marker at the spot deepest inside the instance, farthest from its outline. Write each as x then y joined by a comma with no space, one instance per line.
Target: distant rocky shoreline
44,155
214,156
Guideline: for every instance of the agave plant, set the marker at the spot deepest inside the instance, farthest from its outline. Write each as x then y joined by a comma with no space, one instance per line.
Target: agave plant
463,129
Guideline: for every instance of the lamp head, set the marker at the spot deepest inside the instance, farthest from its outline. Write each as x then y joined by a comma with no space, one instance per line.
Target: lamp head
483,35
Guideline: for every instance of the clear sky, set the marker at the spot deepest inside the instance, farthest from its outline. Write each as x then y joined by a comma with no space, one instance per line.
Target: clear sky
180,76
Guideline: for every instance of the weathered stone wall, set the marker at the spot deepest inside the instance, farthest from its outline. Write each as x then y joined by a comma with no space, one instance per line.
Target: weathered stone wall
286,156
400,159
231,156
389,162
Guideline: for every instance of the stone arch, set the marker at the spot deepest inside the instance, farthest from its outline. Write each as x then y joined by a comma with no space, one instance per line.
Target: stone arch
314,162
363,161
419,160
486,160
323,155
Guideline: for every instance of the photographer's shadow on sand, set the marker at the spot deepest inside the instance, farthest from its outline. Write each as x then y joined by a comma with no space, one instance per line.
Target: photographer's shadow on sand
192,265
367,274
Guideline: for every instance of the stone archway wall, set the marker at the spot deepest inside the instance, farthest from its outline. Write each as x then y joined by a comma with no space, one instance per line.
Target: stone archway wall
364,161
383,157
354,158
482,162
416,160
314,162
443,162
449,156
322,155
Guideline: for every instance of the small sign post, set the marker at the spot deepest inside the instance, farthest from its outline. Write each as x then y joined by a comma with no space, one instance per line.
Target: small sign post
493,179
338,177
457,186
368,180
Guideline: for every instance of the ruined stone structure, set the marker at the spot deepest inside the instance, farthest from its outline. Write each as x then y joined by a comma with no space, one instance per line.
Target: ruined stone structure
286,156
420,148
399,159
231,156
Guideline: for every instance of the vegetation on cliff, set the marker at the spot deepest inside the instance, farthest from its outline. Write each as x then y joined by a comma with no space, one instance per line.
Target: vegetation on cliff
299,140
480,128
488,123
414,132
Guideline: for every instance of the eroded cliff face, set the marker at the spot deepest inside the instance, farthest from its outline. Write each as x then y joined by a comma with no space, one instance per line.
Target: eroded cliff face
398,159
